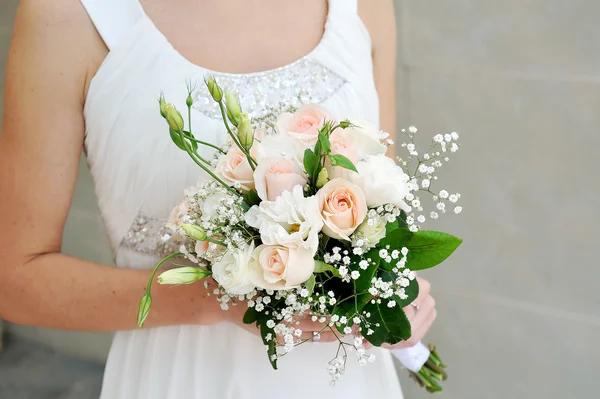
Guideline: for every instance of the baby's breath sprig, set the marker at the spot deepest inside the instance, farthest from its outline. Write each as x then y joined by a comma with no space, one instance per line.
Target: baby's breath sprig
421,170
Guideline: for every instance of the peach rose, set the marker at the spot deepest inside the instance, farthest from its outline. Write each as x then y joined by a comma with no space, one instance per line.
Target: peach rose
304,124
201,247
233,168
176,214
343,208
275,267
209,250
274,175
341,144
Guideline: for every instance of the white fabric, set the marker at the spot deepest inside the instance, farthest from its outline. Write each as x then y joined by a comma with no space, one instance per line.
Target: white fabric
136,168
413,358
113,18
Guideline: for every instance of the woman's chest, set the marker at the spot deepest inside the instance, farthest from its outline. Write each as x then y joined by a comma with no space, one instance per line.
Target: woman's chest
240,36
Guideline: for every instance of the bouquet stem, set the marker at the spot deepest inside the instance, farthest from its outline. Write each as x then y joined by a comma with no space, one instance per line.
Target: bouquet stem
431,374
424,366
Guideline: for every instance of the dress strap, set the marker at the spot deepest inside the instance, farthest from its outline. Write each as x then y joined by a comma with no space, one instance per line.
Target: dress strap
346,7
113,18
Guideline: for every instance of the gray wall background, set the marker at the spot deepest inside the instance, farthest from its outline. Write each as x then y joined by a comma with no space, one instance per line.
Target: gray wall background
520,81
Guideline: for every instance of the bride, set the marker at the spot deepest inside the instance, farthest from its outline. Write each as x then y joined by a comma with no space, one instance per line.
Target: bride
87,75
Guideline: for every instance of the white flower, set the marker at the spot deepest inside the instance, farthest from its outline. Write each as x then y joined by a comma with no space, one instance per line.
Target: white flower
382,181
232,271
277,145
458,209
291,220
444,194
209,206
365,137
371,235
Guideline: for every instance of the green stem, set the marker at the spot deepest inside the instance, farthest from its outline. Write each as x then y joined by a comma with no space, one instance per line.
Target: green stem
158,267
189,108
251,160
193,156
427,379
205,143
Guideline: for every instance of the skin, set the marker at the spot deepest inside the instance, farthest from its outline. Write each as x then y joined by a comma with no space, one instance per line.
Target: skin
54,54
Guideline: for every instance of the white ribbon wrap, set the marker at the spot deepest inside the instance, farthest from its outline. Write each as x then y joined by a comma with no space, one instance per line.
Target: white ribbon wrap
412,358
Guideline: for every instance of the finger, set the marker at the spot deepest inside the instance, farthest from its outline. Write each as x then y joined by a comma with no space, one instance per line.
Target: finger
417,334
325,336
306,324
424,290
425,308
410,311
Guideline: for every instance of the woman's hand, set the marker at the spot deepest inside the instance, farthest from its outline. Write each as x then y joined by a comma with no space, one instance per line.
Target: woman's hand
311,331
421,315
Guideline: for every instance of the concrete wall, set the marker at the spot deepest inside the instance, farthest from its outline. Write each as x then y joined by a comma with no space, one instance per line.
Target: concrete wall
520,81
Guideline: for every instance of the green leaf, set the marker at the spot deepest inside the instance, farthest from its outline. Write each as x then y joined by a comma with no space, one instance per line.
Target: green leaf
144,309
340,160
176,138
251,198
271,344
351,308
399,223
251,316
322,267
193,143
393,324
402,220
325,143
412,291
310,284
363,283
311,162
426,249
318,149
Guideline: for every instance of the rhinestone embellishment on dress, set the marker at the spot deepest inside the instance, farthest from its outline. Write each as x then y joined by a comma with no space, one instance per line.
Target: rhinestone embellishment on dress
151,236
304,81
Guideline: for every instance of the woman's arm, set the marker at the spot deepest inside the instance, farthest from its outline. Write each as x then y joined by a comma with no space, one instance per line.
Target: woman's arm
379,17
40,145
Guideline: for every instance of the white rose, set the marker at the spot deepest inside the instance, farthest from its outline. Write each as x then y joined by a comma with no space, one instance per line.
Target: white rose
277,145
232,271
365,137
275,267
291,220
371,234
382,181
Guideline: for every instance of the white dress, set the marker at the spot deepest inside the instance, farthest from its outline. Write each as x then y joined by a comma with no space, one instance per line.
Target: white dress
140,176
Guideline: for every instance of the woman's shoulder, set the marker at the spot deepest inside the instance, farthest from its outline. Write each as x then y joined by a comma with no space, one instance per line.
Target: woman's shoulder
61,30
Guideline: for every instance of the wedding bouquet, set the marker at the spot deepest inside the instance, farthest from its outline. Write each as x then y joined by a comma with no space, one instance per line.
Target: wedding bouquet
304,216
